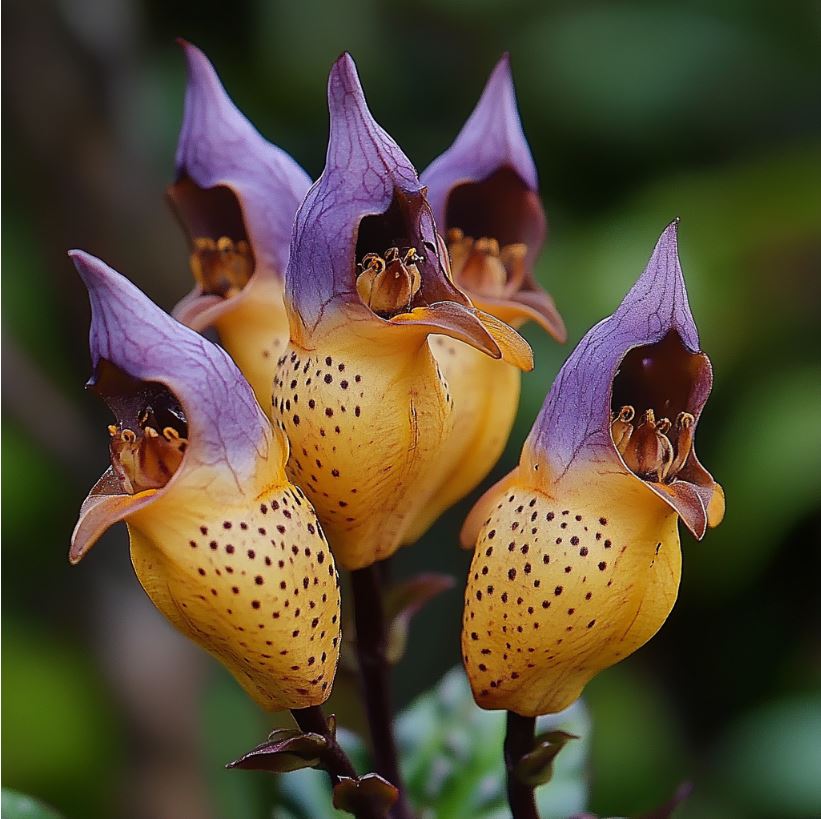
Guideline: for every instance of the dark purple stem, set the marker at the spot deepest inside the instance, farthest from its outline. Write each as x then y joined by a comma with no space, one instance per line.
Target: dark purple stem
518,742
374,669
334,759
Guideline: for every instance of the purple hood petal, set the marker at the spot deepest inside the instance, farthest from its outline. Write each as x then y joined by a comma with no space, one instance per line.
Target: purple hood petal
218,146
365,173
574,423
226,426
492,140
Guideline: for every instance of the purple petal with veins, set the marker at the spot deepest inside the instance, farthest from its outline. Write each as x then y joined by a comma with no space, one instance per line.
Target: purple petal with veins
226,426
490,143
218,146
366,174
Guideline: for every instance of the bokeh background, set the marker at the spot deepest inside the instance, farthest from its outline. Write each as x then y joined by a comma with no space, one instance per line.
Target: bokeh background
637,112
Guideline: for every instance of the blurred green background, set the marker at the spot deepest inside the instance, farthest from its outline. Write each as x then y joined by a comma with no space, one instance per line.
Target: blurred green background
637,112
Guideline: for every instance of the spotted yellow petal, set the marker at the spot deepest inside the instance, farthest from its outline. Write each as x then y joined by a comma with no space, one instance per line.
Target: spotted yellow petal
366,417
253,582
485,395
563,586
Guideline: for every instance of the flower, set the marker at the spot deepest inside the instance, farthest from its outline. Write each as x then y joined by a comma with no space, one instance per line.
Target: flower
577,556
358,390
484,194
235,195
226,548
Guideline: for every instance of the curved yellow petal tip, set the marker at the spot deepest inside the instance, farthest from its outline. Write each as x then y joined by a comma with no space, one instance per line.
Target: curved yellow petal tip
514,349
451,319
105,505
481,330
716,507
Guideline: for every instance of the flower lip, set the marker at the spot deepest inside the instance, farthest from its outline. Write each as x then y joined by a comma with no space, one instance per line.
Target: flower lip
367,200
140,355
646,356
230,182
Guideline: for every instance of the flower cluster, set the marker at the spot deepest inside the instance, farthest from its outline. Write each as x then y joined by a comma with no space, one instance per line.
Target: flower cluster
372,382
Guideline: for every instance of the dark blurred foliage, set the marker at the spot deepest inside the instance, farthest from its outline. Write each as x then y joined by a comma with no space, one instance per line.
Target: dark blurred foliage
637,112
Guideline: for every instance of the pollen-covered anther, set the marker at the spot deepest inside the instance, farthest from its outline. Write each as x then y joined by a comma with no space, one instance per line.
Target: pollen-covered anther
485,267
144,459
621,427
388,284
646,447
684,441
222,267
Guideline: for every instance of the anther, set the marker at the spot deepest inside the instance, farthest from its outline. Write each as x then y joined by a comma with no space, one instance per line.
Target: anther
223,267
684,441
649,452
485,267
646,448
621,427
388,284
145,459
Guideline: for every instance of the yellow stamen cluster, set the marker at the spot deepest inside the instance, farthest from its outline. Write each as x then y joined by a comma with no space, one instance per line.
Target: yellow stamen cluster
646,447
222,267
145,459
388,284
483,266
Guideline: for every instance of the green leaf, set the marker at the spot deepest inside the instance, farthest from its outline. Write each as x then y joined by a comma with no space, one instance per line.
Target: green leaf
19,806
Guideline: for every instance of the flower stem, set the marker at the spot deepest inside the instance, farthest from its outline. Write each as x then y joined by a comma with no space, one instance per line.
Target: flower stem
519,741
371,651
334,760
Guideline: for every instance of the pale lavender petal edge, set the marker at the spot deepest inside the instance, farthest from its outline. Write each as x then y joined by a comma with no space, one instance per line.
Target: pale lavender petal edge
219,146
491,138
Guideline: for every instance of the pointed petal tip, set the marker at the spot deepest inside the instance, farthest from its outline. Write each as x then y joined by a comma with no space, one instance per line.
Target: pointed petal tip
344,73
91,268
491,139
667,241
346,96
671,231
502,71
200,68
